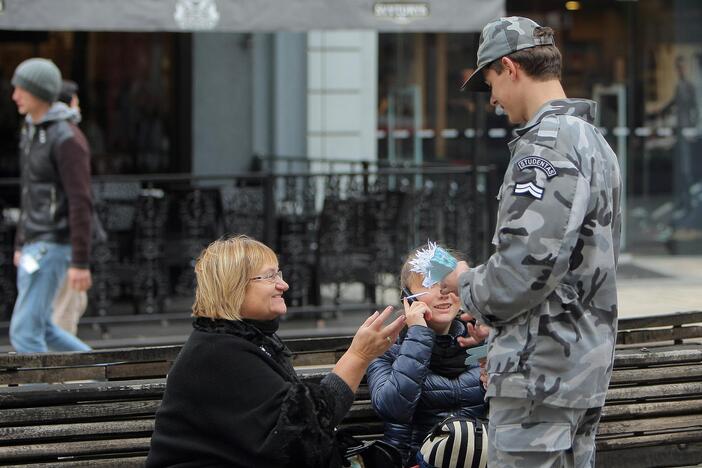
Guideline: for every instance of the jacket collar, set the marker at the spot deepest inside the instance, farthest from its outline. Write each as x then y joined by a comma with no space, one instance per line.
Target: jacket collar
456,329
582,108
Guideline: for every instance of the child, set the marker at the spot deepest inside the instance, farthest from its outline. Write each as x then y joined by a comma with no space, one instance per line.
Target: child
423,377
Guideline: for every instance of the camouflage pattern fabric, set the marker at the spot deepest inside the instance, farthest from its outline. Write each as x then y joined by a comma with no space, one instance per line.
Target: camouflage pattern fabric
527,434
549,291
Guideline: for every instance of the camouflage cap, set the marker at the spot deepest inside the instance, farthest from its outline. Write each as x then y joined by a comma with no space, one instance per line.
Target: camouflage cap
499,38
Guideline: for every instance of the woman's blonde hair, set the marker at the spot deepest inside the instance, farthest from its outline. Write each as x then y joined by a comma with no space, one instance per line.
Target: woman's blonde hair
409,278
223,271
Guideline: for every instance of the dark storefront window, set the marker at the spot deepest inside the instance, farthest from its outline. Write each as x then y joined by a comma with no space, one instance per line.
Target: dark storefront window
134,96
641,61
422,114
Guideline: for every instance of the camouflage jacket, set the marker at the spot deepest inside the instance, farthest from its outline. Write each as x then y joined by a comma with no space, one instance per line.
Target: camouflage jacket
549,290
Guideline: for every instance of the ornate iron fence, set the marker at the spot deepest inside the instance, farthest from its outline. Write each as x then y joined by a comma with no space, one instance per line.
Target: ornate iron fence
329,229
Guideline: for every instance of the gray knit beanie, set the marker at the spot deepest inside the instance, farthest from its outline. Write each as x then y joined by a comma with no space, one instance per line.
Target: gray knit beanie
40,77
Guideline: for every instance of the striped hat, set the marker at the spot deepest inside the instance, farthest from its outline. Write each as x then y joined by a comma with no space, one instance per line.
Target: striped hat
455,442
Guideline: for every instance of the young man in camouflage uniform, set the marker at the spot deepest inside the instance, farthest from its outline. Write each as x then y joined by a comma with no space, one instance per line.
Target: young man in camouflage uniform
549,291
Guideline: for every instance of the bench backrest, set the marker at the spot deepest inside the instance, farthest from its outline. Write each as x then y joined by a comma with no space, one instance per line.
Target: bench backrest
155,361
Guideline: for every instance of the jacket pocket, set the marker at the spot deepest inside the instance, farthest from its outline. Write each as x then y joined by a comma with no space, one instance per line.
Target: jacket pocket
42,204
540,437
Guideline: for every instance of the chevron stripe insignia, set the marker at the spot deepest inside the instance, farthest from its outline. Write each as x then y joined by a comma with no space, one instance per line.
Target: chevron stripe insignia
529,189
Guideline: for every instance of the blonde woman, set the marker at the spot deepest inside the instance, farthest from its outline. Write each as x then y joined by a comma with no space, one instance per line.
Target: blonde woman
232,397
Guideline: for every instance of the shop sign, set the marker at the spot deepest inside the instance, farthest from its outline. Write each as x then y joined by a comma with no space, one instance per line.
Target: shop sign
196,14
401,12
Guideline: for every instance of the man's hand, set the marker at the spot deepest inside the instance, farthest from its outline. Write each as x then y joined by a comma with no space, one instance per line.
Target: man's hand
79,279
16,259
477,333
450,282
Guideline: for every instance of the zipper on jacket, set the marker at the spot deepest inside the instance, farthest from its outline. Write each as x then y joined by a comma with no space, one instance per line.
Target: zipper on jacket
30,138
52,207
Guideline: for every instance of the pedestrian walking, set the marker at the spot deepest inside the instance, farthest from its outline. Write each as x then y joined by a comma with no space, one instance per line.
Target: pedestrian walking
70,304
54,229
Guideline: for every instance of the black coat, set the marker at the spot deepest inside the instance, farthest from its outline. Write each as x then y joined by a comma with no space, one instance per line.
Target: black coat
233,399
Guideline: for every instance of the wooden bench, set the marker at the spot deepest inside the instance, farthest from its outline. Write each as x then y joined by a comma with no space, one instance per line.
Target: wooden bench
48,417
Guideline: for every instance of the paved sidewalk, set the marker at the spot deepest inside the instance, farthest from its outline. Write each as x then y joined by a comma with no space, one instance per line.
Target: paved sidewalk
679,287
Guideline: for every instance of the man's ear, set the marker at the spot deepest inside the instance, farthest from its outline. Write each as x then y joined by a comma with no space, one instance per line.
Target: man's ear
510,66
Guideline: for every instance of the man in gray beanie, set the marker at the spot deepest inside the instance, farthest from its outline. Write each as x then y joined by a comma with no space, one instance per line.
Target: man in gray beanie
54,229
549,290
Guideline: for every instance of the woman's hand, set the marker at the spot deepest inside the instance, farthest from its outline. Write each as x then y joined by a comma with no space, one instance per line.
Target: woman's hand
369,342
372,339
477,333
416,314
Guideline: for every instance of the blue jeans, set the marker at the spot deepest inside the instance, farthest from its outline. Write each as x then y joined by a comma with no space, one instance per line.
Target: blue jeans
31,328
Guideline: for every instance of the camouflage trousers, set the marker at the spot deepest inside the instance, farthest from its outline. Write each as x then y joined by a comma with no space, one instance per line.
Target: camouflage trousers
528,434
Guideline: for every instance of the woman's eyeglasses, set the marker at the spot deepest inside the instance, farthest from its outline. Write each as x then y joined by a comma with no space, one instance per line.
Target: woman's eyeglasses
269,277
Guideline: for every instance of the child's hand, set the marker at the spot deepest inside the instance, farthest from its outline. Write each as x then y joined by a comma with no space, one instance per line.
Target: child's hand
416,314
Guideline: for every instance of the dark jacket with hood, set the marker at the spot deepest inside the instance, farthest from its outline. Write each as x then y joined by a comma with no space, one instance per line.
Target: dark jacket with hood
233,399
56,199
409,392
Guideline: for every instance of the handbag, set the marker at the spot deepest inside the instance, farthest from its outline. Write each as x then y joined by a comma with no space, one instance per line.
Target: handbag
455,442
367,453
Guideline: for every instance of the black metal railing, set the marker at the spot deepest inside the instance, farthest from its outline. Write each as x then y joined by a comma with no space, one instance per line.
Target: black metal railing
329,229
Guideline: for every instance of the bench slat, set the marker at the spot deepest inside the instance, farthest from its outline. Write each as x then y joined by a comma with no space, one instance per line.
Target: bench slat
661,320
336,343
654,391
137,370
679,354
666,334
641,426
661,408
316,358
91,429
46,451
66,359
56,394
114,462
59,374
133,370
684,453
682,437
77,412
656,374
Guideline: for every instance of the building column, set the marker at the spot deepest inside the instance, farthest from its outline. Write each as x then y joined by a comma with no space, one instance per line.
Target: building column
342,94
221,103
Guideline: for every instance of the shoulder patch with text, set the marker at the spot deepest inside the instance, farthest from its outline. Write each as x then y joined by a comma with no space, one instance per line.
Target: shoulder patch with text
537,163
